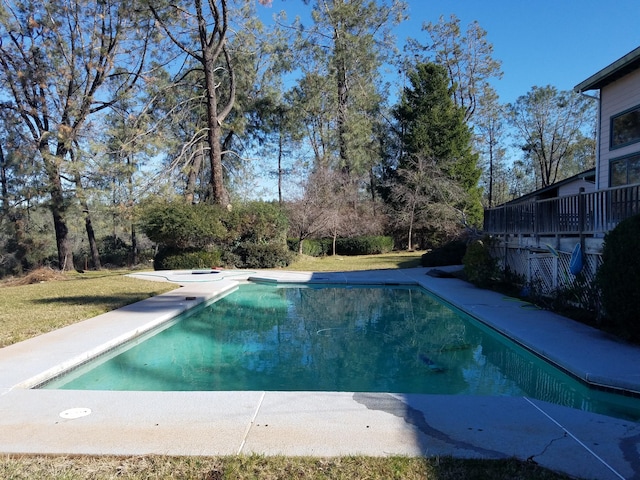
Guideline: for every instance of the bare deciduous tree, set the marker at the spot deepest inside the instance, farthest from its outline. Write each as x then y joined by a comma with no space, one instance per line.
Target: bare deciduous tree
424,198
467,57
550,124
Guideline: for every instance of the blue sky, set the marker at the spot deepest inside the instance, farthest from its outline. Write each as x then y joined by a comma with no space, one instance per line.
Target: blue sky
539,42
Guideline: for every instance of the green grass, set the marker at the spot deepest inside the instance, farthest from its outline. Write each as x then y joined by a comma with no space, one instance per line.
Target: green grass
337,263
37,308
29,310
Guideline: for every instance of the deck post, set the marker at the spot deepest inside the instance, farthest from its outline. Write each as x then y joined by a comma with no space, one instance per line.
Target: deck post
581,218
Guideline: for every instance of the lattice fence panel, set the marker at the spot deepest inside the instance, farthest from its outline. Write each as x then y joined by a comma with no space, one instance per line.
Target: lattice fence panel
516,261
542,269
548,273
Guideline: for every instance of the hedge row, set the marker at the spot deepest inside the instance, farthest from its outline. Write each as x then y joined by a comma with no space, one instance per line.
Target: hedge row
365,245
177,259
245,255
256,255
313,247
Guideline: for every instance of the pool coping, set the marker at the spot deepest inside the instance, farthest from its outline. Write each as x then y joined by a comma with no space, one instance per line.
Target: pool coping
322,423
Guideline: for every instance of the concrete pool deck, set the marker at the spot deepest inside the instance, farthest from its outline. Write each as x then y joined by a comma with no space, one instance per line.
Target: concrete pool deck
581,444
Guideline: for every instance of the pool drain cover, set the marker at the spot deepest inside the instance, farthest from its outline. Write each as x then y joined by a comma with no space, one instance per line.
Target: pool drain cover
75,413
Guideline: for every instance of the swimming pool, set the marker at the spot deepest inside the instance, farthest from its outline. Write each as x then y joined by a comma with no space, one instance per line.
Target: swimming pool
335,338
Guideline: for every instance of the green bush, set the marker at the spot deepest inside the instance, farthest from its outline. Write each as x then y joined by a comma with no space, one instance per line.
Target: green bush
176,259
183,226
114,251
267,255
198,236
619,278
448,254
365,245
314,247
257,222
480,267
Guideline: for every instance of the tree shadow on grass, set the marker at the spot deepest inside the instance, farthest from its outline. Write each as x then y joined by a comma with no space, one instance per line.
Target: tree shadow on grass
107,299
410,263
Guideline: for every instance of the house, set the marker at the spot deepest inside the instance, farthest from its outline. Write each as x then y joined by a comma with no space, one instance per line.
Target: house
540,234
619,121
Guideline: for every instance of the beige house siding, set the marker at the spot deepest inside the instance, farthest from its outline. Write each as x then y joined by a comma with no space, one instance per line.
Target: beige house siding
616,97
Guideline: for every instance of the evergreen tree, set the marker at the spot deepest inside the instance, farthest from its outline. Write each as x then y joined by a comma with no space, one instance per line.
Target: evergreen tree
490,131
433,127
62,62
343,51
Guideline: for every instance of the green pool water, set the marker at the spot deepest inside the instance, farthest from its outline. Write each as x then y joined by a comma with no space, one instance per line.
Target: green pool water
334,338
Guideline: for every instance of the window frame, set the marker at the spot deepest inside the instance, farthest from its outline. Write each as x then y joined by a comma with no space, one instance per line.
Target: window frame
625,159
617,116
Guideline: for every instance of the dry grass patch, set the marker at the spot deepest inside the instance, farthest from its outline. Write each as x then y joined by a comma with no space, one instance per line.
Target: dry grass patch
39,275
269,468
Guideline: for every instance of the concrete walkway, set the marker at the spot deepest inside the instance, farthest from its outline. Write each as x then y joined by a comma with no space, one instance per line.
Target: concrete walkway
581,444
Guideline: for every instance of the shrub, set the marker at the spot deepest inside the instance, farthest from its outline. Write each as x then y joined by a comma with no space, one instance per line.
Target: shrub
480,267
365,245
449,254
114,251
267,255
176,259
180,225
619,277
314,247
257,222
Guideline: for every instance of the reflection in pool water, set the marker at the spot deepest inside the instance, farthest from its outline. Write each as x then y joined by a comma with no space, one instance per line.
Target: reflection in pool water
332,338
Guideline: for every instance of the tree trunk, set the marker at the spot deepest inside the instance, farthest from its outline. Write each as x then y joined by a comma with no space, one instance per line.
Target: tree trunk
58,209
211,52
88,225
134,245
280,173
411,219
216,193
343,99
91,236
63,242
3,183
193,174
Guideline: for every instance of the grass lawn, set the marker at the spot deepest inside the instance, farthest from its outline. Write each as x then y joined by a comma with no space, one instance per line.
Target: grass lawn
57,300
339,263
27,310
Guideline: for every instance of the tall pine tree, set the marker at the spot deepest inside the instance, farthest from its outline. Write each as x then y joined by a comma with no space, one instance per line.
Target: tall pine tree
433,127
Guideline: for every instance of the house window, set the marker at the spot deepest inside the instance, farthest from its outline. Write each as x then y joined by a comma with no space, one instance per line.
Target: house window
625,128
625,170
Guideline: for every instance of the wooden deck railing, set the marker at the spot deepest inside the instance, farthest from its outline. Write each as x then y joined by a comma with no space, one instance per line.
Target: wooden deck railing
582,214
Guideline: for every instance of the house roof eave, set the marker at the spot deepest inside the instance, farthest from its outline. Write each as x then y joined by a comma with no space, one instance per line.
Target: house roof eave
587,176
618,69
